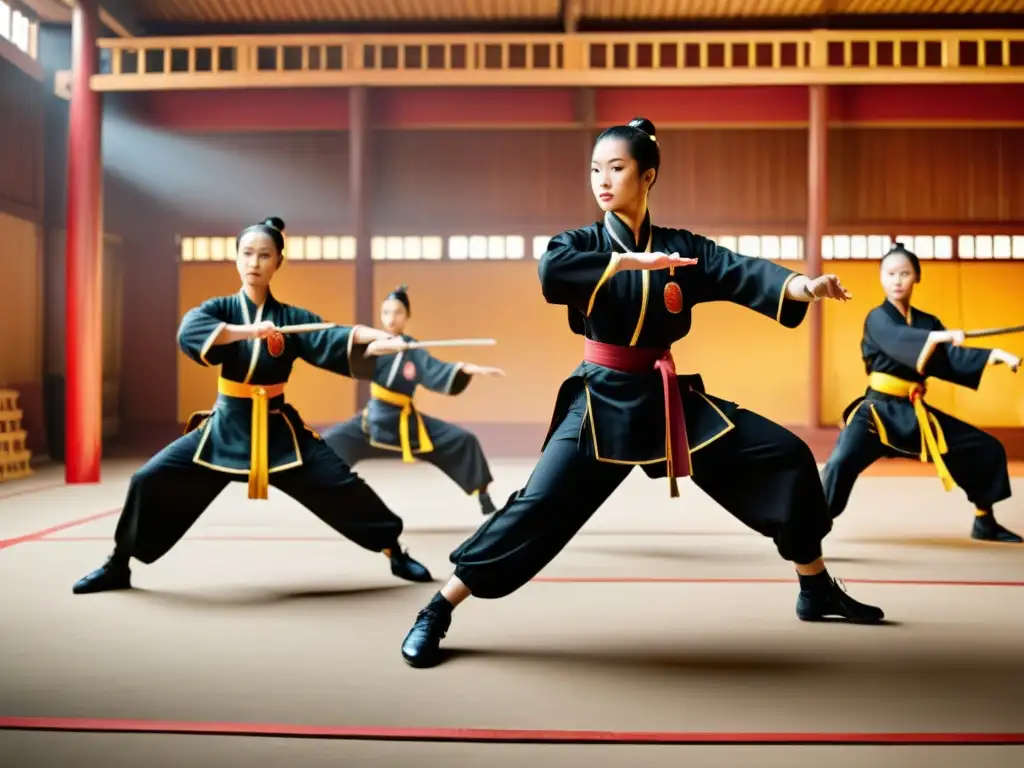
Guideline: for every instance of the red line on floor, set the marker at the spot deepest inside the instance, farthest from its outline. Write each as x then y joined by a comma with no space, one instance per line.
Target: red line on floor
495,735
333,539
39,535
28,491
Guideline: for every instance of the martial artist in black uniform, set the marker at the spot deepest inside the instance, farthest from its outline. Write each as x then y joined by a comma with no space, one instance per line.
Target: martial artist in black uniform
630,288
902,348
391,426
253,433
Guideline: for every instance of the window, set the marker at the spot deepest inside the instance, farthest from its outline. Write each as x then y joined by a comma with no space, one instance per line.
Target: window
296,248
487,247
540,245
18,28
415,248
774,247
998,247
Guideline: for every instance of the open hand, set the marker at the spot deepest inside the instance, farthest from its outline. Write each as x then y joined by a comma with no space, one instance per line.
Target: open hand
388,346
1002,357
654,261
828,287
482,370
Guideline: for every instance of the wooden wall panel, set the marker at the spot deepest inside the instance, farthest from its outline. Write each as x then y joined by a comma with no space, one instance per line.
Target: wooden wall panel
21,317
920,175
754,179
219,183
21,143
476,182
21,307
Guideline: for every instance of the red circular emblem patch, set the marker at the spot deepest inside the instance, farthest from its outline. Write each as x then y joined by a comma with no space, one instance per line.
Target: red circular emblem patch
673,298
275,344
409,370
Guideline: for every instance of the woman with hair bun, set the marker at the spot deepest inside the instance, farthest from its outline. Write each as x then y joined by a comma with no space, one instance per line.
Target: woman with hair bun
252,432
629,288
391,425
902,347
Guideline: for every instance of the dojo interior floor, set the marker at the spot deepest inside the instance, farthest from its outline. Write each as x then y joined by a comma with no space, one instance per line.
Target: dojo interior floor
664,617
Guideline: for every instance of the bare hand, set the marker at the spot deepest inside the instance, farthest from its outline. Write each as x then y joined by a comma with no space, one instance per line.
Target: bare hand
828,287
262,329
654,261
481,370
389,346
956,338
1002,357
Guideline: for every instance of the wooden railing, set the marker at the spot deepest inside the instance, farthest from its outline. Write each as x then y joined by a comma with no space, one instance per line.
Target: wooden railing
610,59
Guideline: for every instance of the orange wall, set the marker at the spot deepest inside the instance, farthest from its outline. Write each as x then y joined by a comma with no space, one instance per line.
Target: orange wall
322,288
965,296
21,356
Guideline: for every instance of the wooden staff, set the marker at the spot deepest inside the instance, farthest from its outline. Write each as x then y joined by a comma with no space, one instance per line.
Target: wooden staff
305,327
994,332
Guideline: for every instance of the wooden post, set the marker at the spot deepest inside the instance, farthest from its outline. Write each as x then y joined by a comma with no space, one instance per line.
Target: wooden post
817,218
84,296
358,149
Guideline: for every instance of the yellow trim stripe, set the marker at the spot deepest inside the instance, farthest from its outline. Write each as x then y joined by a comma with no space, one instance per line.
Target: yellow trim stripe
613,264
208,344
782,297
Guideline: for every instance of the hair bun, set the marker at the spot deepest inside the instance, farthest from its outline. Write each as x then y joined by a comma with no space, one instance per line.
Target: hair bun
275,223
403,288
644,125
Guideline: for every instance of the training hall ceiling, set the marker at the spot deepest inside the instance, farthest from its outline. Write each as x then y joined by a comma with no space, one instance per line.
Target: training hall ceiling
267,12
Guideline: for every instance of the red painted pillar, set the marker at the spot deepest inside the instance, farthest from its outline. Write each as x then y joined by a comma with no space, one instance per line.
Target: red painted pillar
84,311
817,218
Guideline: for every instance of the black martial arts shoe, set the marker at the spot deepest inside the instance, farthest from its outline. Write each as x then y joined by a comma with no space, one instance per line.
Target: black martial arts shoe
487,504
422,646
113,574
404,567
987,529
823,597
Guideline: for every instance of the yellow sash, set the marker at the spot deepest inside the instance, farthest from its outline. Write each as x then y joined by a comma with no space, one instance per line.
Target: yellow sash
933,441
259,463
404,402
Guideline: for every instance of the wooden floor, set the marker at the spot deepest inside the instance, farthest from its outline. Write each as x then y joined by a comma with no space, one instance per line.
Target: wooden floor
665,622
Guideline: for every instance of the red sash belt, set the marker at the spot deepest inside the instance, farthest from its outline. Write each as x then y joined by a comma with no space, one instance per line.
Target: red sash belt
640,360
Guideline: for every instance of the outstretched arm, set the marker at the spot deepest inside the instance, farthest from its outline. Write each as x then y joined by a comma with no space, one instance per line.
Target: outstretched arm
763,286
451,378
